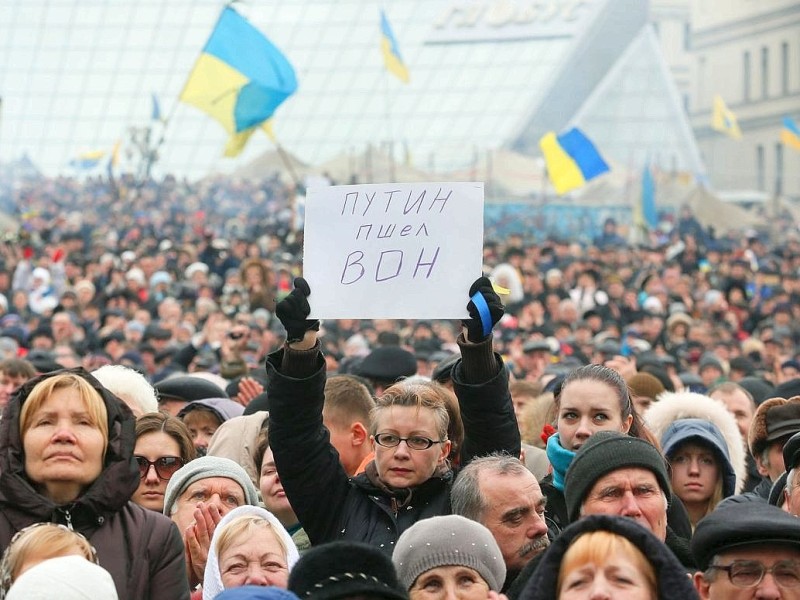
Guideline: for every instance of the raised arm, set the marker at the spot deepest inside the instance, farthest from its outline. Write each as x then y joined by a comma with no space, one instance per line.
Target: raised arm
480,380
307,463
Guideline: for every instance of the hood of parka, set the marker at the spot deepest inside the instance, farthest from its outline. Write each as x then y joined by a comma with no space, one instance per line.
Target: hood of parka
106,495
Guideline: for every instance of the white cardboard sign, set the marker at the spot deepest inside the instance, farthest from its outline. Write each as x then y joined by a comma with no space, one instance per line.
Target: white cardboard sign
394,250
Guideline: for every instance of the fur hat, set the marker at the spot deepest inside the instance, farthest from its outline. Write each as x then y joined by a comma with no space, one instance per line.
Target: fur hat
775,419
450,540
203,468
674,406
344,570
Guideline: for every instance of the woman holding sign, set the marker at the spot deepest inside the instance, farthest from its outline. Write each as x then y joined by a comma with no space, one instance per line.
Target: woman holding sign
410,477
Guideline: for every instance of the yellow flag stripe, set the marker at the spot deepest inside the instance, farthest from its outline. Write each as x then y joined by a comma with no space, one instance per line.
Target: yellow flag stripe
563,171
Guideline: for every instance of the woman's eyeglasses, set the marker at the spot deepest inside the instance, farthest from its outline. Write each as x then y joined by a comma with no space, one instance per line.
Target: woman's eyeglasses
415,442
165,467
749,573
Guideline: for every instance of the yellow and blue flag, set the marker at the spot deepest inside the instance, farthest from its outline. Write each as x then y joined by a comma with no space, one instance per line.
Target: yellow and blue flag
571,159
88,160
723,119
391,51
240,79
790,133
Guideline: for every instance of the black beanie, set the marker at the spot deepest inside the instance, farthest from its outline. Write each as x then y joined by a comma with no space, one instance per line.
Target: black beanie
343,570
608,451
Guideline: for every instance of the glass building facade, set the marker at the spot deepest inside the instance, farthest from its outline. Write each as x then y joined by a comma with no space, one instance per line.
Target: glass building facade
78,75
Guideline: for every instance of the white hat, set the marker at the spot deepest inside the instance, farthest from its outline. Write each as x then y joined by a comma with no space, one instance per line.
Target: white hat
212,579
135,274
65,578
41,273
196,267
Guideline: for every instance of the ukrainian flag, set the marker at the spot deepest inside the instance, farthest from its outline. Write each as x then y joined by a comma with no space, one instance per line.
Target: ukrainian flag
571,159
790,133
240,79
87,160
391,51
723,119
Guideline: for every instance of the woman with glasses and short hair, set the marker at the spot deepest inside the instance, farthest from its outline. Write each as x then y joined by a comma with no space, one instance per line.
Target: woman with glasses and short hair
66,456
163,445
410,477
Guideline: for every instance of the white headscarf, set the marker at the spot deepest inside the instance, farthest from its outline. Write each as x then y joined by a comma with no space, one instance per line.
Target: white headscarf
212,579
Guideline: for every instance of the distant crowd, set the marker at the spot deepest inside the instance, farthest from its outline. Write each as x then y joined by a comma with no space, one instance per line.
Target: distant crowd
611,417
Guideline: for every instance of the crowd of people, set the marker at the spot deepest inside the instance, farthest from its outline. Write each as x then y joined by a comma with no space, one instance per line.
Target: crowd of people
616,420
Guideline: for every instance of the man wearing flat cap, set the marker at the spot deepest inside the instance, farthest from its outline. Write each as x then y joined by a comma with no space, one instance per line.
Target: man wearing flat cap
746,551
775,421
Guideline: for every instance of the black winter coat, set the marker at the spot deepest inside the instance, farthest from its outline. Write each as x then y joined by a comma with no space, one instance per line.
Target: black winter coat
141,549
332,506
671,579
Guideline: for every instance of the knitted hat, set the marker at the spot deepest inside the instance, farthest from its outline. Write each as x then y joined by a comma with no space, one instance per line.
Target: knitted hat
448,541
608,451
645,384
255,592
775,419
743,524
344,570
204,468
65,578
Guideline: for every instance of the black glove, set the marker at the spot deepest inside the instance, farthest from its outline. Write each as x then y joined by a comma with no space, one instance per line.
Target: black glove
293,312
474,325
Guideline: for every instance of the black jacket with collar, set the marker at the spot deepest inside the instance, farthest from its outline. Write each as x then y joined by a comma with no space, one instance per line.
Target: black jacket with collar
332,506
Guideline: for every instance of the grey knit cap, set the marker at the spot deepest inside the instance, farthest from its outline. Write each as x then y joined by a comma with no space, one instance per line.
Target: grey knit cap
203,468
608,451
450,540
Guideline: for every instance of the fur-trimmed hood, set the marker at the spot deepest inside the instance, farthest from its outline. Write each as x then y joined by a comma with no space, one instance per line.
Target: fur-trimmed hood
673,406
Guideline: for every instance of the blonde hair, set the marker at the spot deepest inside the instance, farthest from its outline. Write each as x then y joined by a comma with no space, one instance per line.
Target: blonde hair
41,392
417,394
42,541
242,528
596,547
535,415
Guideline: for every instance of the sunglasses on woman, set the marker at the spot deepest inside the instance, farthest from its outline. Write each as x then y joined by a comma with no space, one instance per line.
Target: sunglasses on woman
165,467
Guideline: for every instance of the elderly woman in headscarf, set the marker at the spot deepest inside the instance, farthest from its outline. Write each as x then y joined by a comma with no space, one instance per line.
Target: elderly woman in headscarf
249,547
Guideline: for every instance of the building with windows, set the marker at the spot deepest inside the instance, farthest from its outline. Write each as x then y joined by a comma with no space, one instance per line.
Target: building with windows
485,76
748,52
